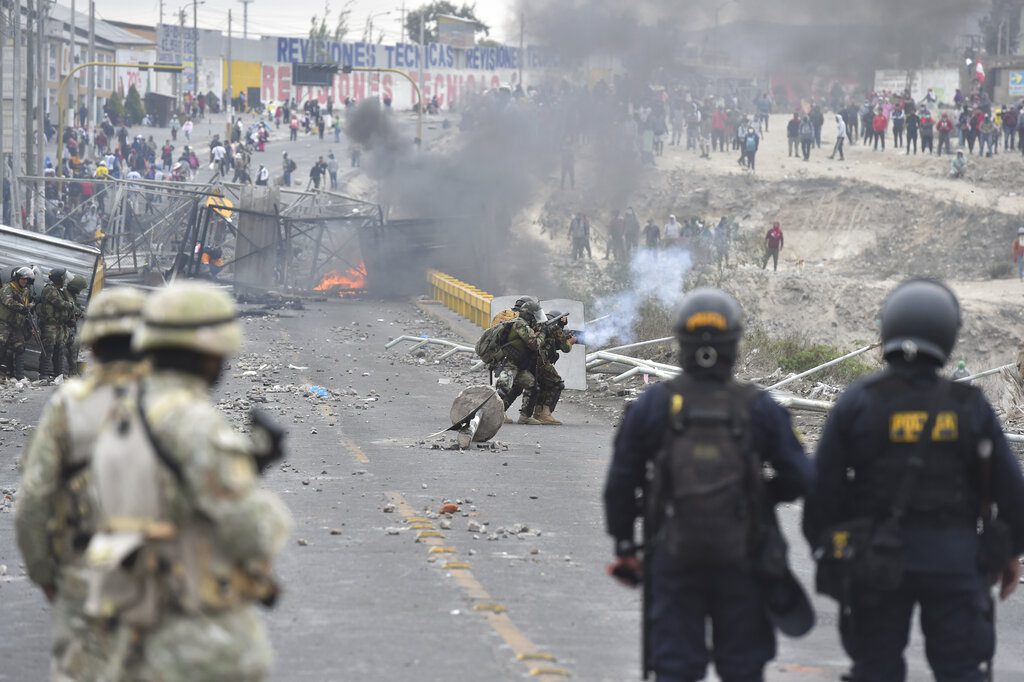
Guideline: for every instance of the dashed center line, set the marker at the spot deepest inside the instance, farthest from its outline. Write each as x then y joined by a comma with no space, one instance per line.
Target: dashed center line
495,614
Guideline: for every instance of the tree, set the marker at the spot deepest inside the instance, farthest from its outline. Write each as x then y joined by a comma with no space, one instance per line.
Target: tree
999,27
320,34
133,108
115,107
428,14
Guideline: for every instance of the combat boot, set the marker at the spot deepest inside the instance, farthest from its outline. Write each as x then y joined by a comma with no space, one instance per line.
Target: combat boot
544,416
527,420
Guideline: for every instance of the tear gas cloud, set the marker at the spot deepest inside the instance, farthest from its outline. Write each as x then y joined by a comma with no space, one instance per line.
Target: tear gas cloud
655,276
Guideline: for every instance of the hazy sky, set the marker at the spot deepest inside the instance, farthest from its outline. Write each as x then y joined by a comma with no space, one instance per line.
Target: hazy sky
273,17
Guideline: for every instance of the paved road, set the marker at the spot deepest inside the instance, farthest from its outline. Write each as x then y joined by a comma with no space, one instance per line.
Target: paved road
363,603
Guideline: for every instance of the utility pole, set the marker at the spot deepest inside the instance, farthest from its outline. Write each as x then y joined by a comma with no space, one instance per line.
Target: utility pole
30,92
16,91
231,93
195,46
93,114
42,9
60,59
181,55
421,57
245,18
3,159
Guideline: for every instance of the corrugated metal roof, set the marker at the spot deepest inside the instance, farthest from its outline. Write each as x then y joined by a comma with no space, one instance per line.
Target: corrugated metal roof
43,253
104,31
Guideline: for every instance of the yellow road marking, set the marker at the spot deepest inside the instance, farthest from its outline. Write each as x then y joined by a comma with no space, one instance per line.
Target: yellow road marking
452,565
356,451
523,649
441,550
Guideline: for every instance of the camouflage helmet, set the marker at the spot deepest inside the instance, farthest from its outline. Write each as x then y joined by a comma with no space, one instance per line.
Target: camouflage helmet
191,316
77,284
112,312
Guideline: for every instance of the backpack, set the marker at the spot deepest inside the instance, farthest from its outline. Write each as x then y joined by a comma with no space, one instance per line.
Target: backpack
751,143
489,346
291,166
706,479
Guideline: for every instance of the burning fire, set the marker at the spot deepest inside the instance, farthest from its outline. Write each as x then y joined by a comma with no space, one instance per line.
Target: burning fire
351,279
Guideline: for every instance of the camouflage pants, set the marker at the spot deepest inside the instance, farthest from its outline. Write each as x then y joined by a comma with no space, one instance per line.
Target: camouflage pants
51,355
218,647
12,346
548,388
510,382
71,347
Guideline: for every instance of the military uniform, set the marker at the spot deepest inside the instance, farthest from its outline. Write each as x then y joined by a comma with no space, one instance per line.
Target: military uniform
175,483
514,374
545,395
15,306
71,341
54,516
215,633
54,310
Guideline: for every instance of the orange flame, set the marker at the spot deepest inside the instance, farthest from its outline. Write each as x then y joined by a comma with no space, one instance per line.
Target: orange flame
353,278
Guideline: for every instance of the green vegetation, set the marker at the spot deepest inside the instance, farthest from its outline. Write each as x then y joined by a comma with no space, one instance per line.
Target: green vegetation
794,354
133,108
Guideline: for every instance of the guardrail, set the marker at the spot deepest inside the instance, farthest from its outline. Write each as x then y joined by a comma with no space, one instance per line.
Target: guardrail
461,298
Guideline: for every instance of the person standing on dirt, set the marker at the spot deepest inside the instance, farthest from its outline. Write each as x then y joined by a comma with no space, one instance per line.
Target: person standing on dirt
579,236
840,137
817,121
927,124
879,125
1009,128
945,130
899,120
912,124
672,232
1018,253
632,230
806,137
751,142
793,134
652,234
772,246
722,238
616,244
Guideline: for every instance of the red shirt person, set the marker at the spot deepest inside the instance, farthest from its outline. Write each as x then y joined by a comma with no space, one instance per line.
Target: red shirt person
773,241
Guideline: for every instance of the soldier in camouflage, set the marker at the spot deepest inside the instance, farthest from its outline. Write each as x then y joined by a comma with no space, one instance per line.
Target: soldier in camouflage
513,312
53,518
212,532
515,372
71,341
15,308
53,311
549,386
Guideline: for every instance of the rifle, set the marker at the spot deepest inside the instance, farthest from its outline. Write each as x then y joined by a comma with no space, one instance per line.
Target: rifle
269,439
33,326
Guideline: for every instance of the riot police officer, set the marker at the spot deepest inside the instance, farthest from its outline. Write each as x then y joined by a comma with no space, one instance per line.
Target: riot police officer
908,468
544,396
709,509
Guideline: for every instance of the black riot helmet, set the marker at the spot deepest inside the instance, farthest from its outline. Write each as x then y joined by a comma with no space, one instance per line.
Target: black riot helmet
709,323
521,300
530,310
57,275
920,318
556,314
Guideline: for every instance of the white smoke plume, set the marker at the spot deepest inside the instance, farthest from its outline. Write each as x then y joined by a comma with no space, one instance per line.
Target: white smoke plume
655,276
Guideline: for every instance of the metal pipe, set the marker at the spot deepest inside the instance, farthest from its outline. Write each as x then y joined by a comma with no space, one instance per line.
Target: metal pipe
638,344
826,365
987,372
615,357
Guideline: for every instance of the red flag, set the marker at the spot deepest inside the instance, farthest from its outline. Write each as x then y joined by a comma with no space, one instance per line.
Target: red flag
979,72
